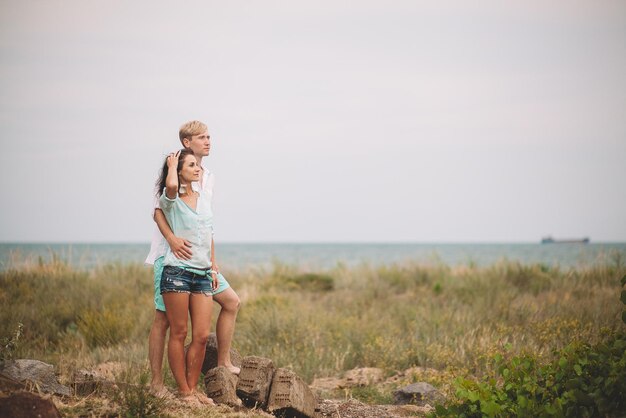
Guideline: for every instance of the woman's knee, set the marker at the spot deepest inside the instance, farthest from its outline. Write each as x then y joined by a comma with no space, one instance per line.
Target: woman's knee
200,338
178,332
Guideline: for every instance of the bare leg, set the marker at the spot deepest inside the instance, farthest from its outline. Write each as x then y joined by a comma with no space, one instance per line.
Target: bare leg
156,348
177,309
200,306
225,327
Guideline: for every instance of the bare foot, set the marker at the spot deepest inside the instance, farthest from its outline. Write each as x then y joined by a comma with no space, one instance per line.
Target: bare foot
203,399
189,399
161,392
233,369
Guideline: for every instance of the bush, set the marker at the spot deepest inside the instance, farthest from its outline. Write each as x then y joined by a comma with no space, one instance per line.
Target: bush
9,344
528,278
136,401
582,381
104,327
371,395
312,282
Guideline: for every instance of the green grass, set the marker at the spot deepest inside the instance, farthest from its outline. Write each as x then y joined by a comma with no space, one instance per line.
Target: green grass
321,323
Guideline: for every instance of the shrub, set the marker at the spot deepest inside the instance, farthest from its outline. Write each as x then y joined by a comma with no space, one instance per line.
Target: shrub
312,282
371,395
528,278
9,344
136,401
582,381
104,327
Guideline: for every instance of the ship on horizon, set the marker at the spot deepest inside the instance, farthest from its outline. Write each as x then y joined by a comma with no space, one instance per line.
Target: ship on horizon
550,240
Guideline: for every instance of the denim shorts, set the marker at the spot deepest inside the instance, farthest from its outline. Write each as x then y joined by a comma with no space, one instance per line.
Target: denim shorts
182,280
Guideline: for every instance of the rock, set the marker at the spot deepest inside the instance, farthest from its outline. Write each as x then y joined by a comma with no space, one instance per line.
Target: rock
411,375
27,405
210,357
221,386
420,394
327,384
10,385
333,408
255,380
86,382
414,410
110,370
364,376
39,373
290,396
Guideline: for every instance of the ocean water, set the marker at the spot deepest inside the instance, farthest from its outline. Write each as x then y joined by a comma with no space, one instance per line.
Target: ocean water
232,256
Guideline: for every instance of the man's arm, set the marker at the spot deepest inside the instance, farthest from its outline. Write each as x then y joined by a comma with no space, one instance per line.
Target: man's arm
181,248
213,263
214,267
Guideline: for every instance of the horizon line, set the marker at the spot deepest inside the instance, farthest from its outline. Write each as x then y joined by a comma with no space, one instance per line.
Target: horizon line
312,242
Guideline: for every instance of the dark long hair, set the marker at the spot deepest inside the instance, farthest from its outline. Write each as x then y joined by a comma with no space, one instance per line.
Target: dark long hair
160,184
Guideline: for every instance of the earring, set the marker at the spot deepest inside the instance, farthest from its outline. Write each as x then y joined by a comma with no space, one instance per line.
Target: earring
182,189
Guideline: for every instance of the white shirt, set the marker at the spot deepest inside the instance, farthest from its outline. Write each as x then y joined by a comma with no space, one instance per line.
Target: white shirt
159,246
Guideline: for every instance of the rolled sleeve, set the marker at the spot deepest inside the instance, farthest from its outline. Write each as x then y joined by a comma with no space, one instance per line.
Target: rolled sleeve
165,203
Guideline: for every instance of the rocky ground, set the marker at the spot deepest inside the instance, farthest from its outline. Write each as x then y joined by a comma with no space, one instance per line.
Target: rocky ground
42,395
332,408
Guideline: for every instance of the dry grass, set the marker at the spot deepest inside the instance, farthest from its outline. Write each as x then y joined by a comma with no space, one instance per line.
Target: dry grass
321,323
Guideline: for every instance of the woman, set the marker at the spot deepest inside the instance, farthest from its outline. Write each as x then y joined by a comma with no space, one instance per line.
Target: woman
187,285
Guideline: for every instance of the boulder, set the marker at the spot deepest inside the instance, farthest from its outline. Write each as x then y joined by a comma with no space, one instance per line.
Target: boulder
210,357
86,382
420,394
255,380
10,385
413,374
24,404
364,376
333,408
221,386
327,384
39,373
290,396
111,370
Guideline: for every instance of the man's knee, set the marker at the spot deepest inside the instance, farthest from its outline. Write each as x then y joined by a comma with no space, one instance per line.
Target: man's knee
160,320
232,303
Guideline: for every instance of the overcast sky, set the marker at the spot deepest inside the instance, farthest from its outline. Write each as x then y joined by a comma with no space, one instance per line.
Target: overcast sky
443,121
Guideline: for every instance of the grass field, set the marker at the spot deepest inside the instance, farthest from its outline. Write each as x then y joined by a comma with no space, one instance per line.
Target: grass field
322,323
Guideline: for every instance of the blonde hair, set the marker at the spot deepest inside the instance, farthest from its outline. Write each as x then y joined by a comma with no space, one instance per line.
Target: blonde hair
191,128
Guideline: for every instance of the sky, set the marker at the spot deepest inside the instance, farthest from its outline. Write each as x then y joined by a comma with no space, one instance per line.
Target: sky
331,121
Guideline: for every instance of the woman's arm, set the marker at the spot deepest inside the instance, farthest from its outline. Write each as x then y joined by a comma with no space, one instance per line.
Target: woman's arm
171,181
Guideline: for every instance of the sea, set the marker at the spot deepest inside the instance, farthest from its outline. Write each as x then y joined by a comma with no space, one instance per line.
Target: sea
323,256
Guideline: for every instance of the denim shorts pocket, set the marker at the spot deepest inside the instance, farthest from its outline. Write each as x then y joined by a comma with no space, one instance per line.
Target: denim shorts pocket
173,271
175,279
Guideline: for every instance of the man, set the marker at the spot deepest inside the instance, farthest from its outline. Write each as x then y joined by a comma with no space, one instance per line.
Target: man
193,135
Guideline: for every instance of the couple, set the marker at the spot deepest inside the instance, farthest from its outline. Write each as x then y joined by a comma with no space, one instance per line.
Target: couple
186,276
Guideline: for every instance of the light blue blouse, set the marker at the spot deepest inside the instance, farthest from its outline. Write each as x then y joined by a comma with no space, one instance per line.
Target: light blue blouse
196,226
